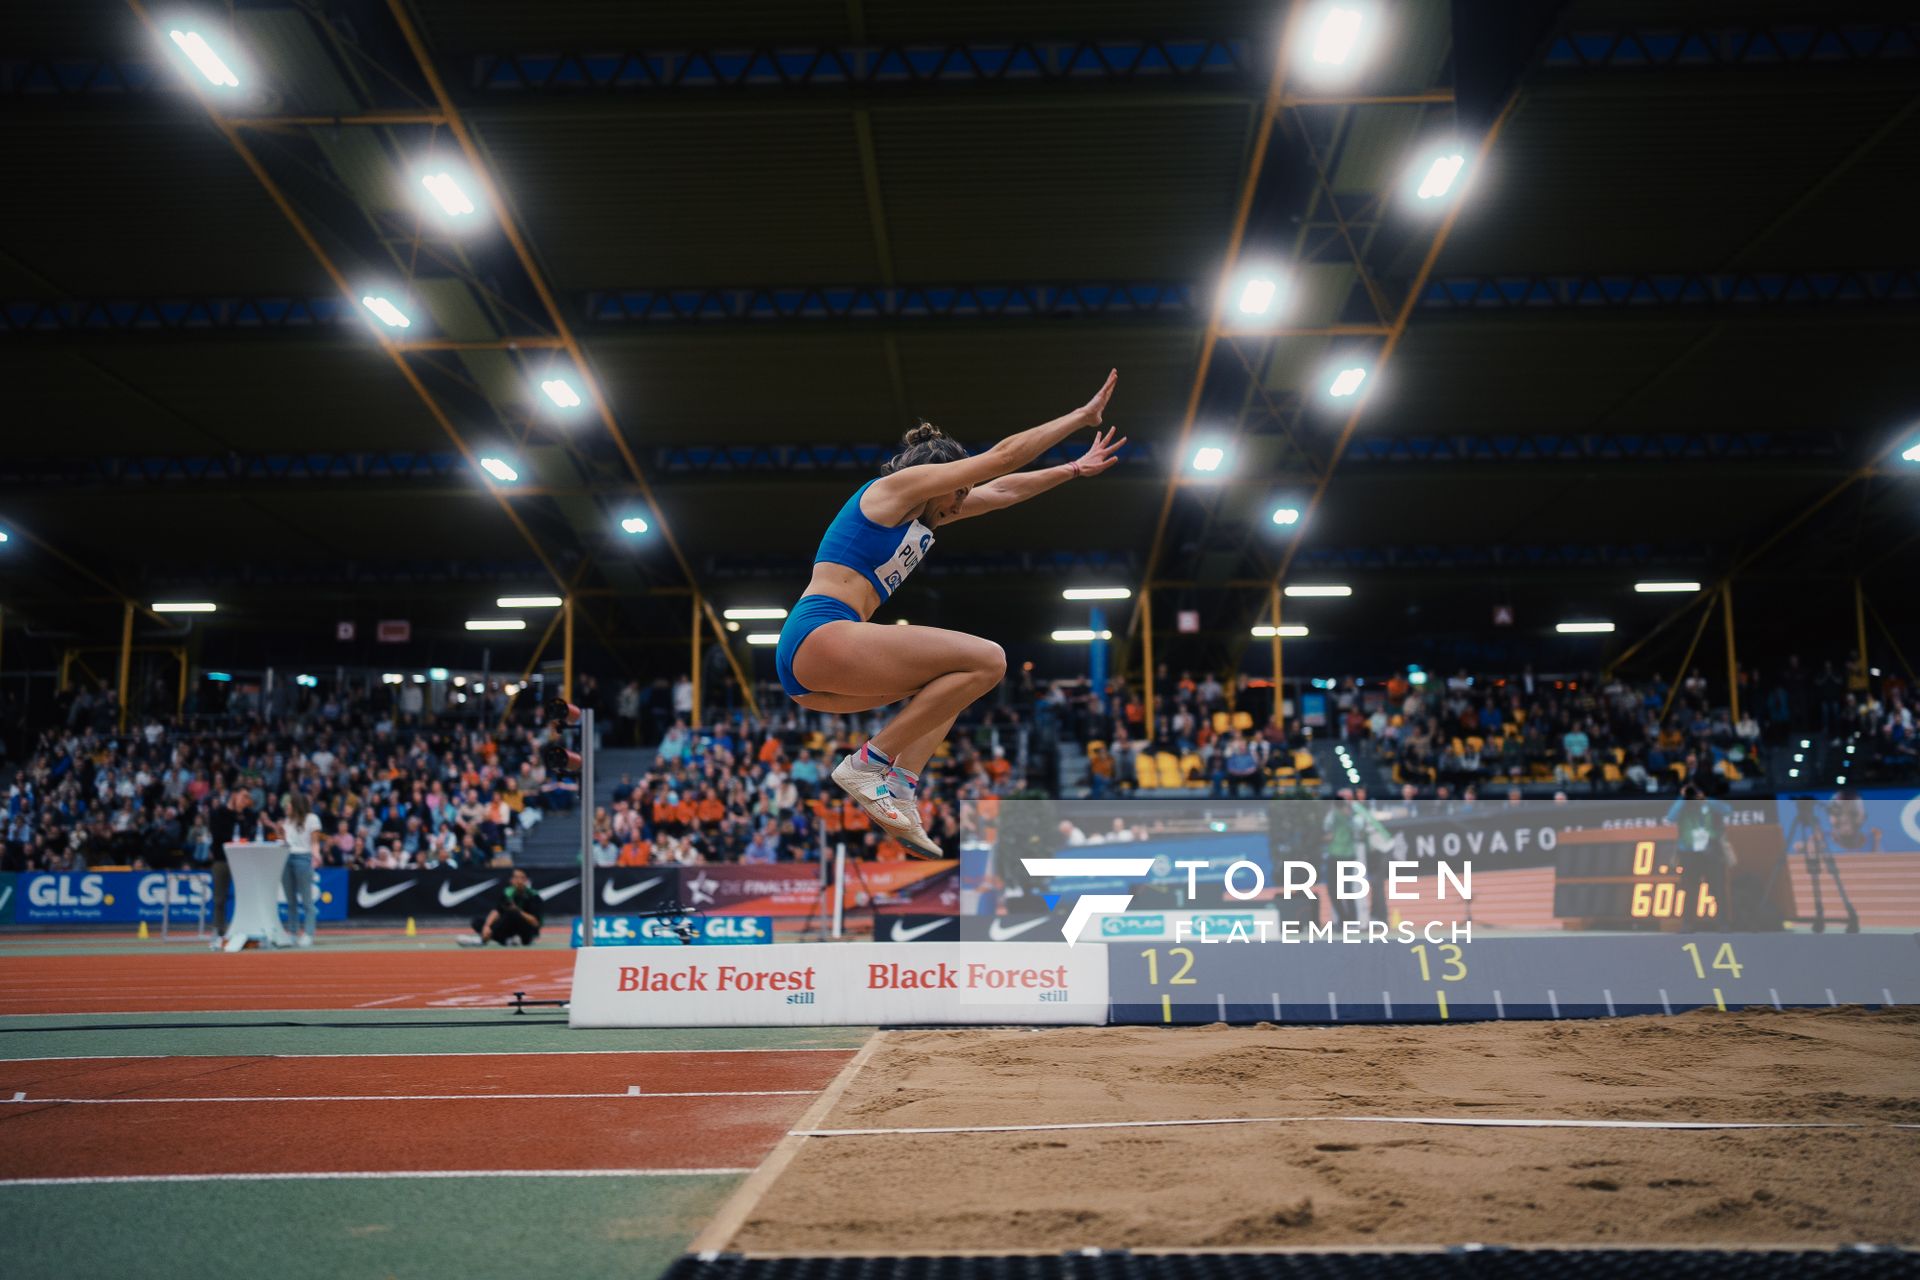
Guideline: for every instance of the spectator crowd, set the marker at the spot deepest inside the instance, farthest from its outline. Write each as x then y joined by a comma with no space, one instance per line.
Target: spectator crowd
389,790
395,786
759,791
1447,736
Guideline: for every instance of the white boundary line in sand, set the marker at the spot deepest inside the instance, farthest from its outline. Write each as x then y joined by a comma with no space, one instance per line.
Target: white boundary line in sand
1467,1122
20,1097
732,1215
376,1174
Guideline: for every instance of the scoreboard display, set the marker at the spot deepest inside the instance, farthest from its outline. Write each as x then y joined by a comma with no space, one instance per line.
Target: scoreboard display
1638,878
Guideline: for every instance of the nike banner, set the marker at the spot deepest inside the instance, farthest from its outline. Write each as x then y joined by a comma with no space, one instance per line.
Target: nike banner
907,927
457,894
632,891
745,889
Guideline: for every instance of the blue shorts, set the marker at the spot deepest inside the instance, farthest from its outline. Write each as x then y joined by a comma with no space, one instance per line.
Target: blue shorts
808,615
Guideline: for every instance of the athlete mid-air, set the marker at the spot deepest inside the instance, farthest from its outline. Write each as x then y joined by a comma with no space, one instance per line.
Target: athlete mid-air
832,659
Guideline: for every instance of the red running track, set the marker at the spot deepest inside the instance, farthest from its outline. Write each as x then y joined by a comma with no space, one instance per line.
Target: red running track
152,1117
170,981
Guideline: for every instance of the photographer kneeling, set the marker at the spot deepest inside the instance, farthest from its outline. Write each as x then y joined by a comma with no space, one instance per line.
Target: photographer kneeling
516,915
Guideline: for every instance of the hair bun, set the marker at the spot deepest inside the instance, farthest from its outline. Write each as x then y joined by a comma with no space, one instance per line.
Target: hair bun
925,433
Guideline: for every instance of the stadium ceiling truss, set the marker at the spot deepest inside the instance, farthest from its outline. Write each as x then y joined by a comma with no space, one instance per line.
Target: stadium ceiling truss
829,304
1634,48
1348,229
443,468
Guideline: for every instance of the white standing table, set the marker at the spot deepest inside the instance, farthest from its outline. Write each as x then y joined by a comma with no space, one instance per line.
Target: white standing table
256,868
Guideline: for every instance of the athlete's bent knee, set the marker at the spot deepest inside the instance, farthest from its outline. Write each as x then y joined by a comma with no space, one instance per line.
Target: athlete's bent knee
991,663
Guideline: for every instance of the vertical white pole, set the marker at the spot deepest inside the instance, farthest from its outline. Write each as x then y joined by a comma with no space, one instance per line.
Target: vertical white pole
586,827
839,888
166,900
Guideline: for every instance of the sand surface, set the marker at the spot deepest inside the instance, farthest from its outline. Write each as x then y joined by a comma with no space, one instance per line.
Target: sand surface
1331,1182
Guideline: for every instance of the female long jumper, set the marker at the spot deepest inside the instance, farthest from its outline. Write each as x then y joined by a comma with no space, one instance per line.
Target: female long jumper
832,659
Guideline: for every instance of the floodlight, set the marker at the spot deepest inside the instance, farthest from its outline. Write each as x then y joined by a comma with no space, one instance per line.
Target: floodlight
1346,382
499,470
204,59
1328,589
1337,38
388,314
1583,628
497,624
561,392
1440,176
448,194
1097,593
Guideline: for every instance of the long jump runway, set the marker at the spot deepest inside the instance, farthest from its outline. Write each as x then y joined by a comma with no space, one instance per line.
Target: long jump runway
169,1117
203,982
326,1113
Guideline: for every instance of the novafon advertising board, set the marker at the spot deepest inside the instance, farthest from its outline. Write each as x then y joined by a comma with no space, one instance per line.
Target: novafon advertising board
841,984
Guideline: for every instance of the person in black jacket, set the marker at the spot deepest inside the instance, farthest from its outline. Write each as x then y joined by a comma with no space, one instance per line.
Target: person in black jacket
234,820
516,915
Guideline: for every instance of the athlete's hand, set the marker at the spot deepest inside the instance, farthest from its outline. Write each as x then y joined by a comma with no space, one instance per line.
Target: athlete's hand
1104,453
1090,411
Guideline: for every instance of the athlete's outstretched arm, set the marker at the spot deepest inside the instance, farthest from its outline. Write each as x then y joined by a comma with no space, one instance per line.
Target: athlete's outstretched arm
996,495
903,491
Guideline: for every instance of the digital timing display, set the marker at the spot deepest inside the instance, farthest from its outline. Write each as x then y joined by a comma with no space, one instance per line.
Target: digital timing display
1642,881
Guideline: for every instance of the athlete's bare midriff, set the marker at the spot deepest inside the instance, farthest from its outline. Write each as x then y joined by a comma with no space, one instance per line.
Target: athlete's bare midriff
845,585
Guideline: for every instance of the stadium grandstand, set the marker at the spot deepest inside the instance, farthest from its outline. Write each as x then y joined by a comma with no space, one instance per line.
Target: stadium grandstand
421,418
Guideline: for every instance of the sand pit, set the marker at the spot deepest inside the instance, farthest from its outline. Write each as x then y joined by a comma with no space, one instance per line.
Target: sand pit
1336,1182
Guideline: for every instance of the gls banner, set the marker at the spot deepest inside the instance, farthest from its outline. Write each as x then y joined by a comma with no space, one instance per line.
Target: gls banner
124,897
663,931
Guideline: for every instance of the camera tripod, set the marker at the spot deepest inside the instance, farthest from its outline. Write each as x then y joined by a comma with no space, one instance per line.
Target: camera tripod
1805,837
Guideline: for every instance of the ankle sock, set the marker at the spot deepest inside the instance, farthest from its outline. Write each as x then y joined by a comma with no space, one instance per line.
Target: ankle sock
871,755
906,776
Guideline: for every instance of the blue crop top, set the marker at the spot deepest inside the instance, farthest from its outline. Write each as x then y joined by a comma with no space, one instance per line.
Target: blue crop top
882,554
